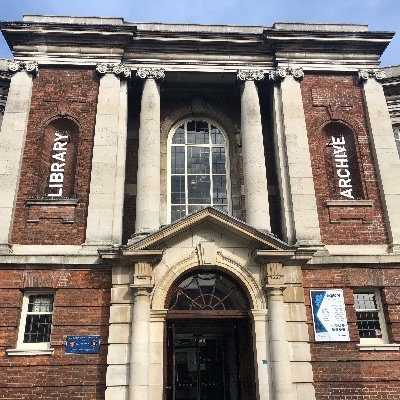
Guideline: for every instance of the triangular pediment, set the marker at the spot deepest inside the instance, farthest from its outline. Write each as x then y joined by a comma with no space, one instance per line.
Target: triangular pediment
258,239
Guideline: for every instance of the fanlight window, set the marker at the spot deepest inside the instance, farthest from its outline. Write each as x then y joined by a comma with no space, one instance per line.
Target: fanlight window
198,169
208,291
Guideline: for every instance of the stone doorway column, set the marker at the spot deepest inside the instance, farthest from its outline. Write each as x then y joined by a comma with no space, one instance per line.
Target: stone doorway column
13,132
254,170
148,173
261,354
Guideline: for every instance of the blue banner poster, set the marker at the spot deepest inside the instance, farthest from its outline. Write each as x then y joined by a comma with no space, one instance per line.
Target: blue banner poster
82,344
329,316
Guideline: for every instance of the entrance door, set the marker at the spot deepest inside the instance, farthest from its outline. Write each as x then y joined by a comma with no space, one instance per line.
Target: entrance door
209,350
209,360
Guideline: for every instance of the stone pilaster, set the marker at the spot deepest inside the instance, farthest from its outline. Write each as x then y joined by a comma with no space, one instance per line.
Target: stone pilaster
140,336
148,173
12,141
254,170
300,216
282,383
261,354
384,149
104,223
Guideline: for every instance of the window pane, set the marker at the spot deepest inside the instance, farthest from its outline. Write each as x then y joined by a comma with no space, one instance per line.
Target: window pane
193,209
365,301
177,213
177,160
199,189
219,190
179,135
218,160
368,324
198,160
40,303
216,136
38,328
178,189
197,132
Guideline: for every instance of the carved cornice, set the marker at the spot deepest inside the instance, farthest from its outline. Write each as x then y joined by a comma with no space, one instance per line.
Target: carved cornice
117,69
281,73
365,74
31,67
150,73
250,75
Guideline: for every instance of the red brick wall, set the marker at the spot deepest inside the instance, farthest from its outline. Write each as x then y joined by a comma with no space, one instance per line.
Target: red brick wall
341,371
339,98
67,93
81,307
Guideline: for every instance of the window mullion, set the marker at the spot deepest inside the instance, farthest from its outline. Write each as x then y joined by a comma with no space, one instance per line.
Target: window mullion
211,164
186,174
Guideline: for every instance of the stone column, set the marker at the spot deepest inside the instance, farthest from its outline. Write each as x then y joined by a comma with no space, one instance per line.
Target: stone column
140,333
148,173
254,170
261,354
281,373
297,184
106,198
384,149
12,142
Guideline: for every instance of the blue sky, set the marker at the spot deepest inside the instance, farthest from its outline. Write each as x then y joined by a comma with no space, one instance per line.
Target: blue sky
382,15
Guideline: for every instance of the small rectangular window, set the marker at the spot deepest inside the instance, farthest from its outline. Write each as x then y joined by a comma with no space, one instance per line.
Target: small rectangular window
370,317
36,320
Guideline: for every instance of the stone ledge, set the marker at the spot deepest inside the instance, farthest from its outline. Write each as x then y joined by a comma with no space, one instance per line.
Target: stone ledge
30,352
340,210
52,202
379,347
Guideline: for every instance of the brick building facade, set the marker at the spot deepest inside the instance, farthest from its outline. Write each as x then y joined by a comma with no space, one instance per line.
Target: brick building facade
198,212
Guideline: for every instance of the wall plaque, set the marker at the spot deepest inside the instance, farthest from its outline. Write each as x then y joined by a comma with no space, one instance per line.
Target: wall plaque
82,345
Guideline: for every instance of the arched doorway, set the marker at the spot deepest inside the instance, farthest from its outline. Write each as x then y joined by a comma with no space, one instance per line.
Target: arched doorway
209,349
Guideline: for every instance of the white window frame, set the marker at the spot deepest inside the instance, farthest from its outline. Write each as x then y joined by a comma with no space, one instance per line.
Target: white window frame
24,312
227,163
382,321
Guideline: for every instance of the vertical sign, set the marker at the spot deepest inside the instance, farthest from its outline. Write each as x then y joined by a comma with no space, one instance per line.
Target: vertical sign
329,316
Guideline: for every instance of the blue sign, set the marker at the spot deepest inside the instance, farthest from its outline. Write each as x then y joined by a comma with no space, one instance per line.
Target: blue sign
82,345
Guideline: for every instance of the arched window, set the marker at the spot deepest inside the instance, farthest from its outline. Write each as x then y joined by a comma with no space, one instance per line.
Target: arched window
58,159
207,291
342,163
198,169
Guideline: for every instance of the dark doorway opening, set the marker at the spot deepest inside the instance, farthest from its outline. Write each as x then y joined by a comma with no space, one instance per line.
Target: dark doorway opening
209,352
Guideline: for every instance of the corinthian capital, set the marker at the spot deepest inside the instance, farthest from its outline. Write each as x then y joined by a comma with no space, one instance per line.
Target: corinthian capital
31,67
117,69
281,73
365,74
150,73
250,75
